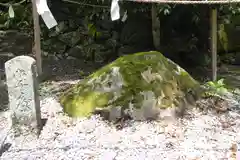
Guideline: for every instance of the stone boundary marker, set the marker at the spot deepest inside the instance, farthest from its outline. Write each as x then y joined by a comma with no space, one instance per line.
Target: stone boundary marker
24,103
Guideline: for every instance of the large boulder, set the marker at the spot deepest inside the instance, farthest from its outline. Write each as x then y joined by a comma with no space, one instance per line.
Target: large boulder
140,85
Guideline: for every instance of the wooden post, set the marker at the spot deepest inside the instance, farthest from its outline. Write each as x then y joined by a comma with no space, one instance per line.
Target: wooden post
214,43
37,40
155,27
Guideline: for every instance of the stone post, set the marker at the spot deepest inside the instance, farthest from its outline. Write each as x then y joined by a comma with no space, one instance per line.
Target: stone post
24,103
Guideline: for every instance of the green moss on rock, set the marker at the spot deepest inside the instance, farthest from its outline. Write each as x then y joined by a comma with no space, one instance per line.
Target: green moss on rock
140,84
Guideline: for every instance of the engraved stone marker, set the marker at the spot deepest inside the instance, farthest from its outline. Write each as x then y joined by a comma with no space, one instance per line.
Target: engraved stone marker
23,95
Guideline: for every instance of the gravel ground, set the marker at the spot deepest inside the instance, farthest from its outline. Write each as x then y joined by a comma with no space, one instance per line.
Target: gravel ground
199,135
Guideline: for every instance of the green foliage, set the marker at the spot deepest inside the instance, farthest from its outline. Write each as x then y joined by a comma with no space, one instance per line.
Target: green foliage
92,31
215,88
92,9
18,15
90,47
230,9
165,9
15,15
226,12
223,38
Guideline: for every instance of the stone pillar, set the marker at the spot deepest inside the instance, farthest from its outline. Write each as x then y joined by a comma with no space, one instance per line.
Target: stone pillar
24,103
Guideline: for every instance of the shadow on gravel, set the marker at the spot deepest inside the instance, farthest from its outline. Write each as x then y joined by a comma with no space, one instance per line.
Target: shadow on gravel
67,69
44,121
3,96
5,148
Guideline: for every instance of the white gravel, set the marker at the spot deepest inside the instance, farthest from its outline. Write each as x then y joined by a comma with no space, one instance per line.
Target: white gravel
197,136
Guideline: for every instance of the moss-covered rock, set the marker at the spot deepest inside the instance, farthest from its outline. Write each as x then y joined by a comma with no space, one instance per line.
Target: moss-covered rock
140,85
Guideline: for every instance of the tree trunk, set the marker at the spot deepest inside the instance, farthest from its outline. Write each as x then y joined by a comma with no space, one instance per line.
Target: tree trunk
155,27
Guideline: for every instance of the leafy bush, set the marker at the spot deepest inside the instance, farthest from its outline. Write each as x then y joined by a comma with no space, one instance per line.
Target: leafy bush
15,15
215,88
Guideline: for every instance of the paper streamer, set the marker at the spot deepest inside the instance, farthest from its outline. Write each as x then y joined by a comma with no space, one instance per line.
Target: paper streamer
124,18
115,10
46,14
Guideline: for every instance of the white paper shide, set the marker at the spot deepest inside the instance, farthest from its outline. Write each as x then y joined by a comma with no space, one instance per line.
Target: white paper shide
115,10
46,14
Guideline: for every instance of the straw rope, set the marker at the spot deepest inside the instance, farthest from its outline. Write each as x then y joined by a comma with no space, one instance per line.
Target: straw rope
187,1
